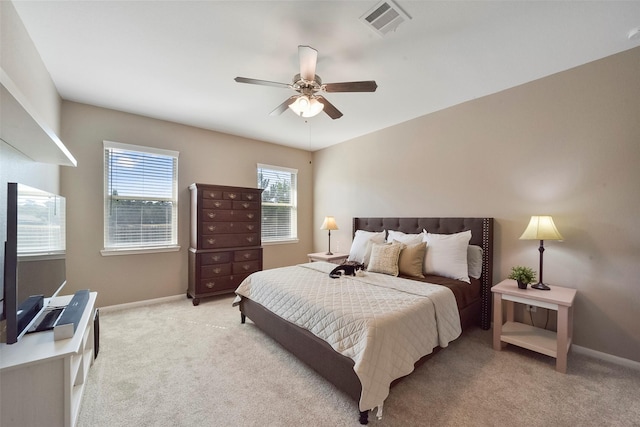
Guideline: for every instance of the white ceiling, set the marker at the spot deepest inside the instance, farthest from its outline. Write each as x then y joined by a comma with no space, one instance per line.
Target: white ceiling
176,60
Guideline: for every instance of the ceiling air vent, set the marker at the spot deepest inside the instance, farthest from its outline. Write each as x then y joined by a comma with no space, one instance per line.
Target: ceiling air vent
384,17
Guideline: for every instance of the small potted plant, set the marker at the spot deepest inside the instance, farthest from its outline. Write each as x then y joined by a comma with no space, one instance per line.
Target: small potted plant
523,275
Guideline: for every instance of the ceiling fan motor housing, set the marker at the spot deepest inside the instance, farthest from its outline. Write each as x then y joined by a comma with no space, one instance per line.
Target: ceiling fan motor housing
301,84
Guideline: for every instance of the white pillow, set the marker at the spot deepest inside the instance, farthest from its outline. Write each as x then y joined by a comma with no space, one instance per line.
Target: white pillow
358,251
407,239
384,258
447,255
474,258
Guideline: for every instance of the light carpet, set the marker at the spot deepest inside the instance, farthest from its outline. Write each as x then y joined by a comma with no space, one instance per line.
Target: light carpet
173,364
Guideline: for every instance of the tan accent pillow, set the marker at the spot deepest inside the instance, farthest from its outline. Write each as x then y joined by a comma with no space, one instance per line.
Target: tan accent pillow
411,259
384,258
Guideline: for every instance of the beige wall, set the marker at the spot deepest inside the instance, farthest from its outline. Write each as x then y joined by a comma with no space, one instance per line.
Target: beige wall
20,60
567,145
205,157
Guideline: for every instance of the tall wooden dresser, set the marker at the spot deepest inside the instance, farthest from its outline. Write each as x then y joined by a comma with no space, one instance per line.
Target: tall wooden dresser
225,238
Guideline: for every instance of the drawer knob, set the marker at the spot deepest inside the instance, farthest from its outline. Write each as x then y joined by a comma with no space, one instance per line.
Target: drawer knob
246,205
217,270
212,195
250,226
246,267
217,204
249,239
250,215
216,258
211,241
233,196
211,215
247,256
211,227
250,196
210,284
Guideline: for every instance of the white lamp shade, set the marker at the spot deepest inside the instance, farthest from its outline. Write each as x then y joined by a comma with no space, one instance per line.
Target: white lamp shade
306,107
541,228
329,223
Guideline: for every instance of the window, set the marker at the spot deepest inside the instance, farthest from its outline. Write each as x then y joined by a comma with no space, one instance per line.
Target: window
279,203
140,198
41,222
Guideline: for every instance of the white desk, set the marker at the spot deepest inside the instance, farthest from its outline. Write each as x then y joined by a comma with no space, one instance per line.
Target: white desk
42,380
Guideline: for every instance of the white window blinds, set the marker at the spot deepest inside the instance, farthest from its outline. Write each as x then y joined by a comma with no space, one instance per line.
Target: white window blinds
41,222
279,203
140,197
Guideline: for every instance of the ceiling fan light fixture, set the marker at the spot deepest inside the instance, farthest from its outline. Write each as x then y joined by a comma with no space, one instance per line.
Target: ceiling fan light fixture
306,106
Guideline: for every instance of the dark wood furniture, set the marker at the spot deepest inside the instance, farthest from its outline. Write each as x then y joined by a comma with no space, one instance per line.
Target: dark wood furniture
338,369
225,238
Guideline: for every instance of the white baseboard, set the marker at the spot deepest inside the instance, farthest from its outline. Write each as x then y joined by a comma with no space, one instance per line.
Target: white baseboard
143,303
606,357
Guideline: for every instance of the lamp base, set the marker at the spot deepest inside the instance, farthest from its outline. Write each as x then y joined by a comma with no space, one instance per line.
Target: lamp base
329,253
541,286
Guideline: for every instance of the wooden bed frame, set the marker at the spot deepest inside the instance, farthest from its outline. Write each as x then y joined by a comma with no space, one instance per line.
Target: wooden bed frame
335,367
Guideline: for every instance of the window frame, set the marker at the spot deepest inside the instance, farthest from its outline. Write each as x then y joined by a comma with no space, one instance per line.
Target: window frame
293,236
141,248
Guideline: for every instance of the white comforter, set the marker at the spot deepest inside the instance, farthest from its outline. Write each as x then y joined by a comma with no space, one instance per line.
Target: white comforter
384,323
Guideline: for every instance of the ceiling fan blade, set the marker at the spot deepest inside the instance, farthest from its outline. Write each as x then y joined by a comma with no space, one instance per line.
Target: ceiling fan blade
283,107
364,86
261,82
329,108
308,60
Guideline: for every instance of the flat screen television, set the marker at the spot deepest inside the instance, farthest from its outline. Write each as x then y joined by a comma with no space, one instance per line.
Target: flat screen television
34,257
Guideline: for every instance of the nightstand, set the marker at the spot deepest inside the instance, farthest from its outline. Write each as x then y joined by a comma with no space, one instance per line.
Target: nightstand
554,344
322,256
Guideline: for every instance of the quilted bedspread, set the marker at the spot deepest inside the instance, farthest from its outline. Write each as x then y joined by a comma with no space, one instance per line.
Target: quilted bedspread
384,323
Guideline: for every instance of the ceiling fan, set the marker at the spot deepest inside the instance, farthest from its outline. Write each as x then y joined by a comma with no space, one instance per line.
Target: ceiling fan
307,83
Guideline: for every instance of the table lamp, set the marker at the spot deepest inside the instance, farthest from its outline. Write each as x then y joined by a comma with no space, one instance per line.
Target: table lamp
541,228
329,224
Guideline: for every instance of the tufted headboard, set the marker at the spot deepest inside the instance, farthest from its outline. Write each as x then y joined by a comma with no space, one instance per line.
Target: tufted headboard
481,235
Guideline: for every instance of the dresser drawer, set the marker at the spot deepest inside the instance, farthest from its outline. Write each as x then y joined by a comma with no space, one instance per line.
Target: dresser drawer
229,227
215,258
215,270
247,255
247,267
218,204
244,204
251,196
230,240
215,284
211,194
232,195
226,215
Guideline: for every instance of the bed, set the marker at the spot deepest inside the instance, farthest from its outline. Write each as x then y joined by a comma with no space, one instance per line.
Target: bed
473,301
